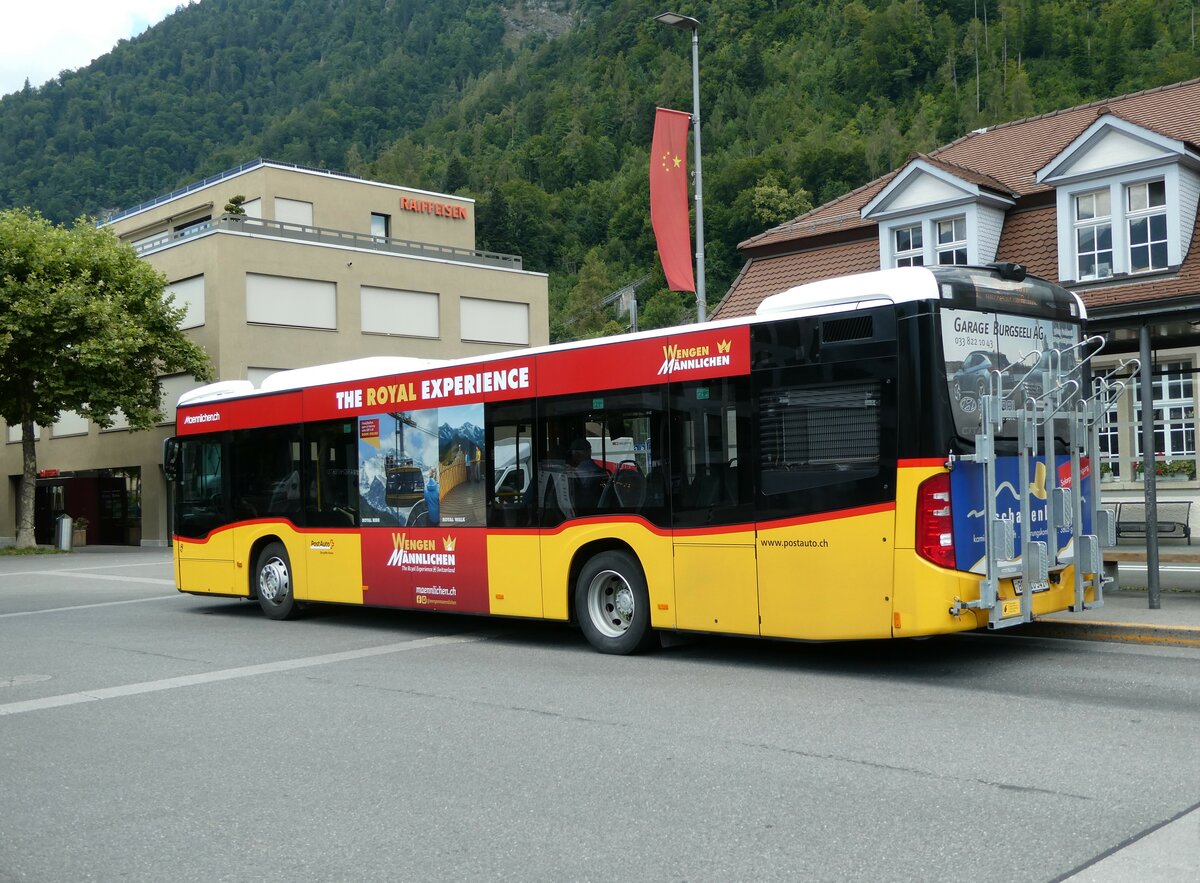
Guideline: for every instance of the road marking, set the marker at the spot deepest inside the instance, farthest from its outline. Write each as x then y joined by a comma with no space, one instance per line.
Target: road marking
87,606
150,580
66,571
1166,851
228,674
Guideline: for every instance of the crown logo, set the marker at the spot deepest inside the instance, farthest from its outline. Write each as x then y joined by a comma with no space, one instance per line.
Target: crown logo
723,346
448,543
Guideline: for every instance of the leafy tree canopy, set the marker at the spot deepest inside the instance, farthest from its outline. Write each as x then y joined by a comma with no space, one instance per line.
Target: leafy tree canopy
84,327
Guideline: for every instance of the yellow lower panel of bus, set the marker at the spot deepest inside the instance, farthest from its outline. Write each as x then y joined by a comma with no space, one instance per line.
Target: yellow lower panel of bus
334,567
925,595
716,584
514,575
653,551
828,579
207,567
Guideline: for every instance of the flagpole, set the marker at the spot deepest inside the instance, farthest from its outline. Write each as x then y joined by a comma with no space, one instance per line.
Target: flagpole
675,20
701,302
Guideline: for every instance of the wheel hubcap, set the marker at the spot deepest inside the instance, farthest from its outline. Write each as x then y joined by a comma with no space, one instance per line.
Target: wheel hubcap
610,603
273,581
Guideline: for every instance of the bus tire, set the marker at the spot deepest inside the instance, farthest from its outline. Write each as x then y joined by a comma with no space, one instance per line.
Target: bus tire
612,604
273,582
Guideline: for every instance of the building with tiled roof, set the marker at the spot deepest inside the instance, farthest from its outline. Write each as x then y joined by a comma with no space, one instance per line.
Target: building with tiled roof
1100,198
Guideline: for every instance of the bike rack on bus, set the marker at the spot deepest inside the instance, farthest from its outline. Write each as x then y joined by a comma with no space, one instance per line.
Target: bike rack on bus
1035,418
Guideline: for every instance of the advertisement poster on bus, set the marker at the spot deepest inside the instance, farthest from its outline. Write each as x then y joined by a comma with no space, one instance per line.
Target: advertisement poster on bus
970,515
420,480
426,567
976,344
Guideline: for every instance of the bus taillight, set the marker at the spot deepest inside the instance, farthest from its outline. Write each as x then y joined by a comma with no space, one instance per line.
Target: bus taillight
935,527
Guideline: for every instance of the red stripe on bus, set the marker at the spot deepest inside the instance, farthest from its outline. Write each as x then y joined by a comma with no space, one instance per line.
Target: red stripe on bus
923,462
827,516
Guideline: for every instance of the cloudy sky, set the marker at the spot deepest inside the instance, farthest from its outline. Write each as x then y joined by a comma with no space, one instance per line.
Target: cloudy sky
41,38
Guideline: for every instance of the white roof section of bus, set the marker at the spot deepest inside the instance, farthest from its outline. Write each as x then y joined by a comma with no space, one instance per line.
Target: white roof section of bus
340,372
861,290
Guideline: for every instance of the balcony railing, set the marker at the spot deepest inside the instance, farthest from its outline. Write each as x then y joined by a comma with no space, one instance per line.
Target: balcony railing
326,236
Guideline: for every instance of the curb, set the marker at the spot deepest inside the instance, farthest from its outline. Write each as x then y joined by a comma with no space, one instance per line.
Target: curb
1129,633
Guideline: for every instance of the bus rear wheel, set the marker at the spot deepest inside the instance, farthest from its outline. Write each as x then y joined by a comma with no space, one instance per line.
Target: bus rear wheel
273,582
612,604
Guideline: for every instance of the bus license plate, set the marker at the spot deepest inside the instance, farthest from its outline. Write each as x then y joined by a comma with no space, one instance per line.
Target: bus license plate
1019,583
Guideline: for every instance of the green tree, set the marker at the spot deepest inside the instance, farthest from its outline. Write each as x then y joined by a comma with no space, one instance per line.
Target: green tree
84,327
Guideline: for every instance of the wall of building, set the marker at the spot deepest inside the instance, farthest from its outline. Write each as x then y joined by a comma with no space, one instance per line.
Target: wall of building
255,273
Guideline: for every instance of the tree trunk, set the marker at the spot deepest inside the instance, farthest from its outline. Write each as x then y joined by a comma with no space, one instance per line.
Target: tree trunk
25,538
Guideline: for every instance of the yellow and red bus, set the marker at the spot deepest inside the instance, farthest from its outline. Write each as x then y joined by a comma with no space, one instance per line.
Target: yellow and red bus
841,465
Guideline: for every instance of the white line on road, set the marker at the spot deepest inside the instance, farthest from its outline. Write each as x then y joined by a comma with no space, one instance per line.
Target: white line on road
152,580
87,606
247,671
69,570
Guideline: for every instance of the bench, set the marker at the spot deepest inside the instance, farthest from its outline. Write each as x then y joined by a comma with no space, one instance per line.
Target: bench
1173,517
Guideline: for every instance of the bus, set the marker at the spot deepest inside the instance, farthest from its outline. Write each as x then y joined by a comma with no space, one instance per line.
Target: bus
894,454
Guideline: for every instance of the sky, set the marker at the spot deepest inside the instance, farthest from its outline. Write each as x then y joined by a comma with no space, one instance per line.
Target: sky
41,38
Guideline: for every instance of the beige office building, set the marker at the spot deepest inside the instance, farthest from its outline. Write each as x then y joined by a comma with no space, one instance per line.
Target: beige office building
322,267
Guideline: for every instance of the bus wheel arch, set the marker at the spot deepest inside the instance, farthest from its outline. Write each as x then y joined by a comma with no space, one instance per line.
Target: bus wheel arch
610,598
273,581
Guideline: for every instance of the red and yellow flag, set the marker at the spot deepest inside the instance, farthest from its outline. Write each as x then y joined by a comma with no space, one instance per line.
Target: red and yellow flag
669,197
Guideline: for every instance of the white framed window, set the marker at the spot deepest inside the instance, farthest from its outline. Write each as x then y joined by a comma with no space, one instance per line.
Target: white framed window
952,241
69,423
908,248
293,211
1174,413
1093,234
281,300
189,294
14,434
494,321
1110,441
404,313
381,226
1146,214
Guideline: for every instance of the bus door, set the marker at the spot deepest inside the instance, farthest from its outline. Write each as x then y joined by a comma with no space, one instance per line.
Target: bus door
826,443
716,584
203,552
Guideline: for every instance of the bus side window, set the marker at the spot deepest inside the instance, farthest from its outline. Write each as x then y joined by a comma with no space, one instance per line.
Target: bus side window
710,435
331,494
265,473
510,482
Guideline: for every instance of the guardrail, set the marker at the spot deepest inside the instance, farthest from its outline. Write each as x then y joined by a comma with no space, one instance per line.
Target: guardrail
327,236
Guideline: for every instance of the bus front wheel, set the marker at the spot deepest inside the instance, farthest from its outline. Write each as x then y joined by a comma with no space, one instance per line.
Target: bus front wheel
612,604
274,584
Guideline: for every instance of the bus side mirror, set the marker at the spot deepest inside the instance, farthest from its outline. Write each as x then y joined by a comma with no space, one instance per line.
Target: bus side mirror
171,458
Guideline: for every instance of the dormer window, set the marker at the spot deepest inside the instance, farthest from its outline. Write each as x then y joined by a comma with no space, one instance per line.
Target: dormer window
1146,206
910,251
1093,235
952,241
1126,199
934,212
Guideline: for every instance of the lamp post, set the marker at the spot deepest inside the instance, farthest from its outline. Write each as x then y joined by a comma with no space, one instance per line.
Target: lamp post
687,23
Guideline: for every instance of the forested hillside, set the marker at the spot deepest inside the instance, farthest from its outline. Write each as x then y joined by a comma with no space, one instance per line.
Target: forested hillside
542,109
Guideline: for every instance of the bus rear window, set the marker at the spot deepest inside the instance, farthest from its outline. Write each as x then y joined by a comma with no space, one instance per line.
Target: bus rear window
976,344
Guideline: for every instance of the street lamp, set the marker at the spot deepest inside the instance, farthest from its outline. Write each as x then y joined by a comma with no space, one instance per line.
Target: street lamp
687,23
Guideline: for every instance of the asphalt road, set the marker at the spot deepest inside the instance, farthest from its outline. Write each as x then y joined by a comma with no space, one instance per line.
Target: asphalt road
146,735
